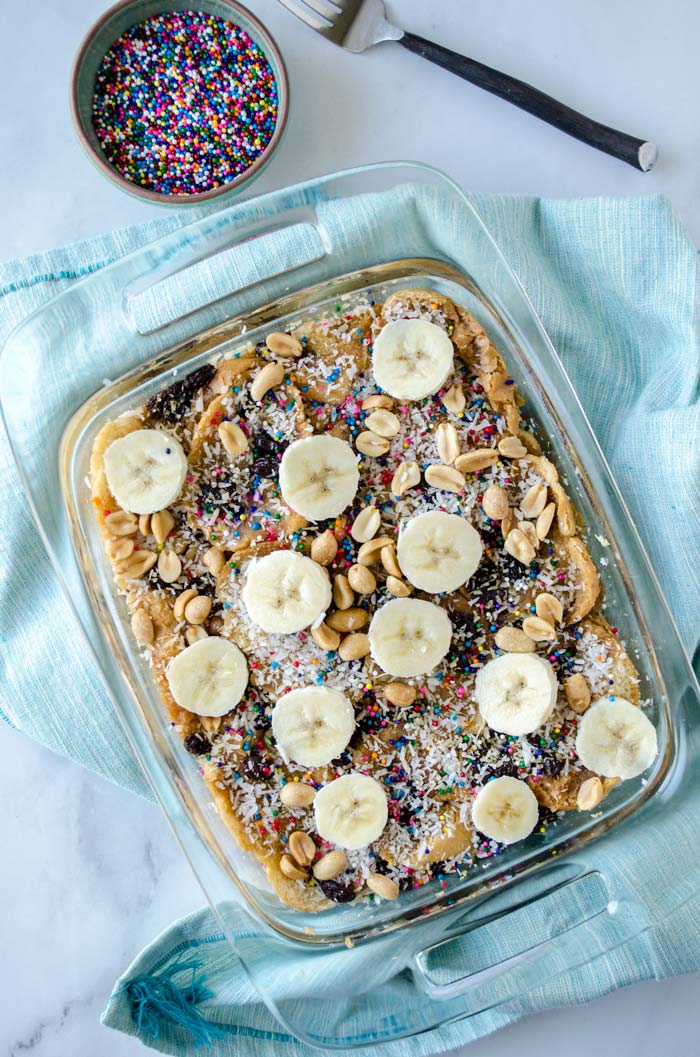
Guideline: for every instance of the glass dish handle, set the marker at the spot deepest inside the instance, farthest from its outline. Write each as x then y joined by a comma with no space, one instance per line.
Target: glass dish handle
181,287
502,955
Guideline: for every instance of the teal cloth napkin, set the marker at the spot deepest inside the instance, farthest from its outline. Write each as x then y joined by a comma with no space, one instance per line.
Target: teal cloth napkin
616,284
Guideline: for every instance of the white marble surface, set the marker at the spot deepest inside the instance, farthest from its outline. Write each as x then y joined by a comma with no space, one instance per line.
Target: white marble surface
91,873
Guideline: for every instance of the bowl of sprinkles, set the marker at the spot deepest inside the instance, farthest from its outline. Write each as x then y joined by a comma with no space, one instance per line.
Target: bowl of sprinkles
179,102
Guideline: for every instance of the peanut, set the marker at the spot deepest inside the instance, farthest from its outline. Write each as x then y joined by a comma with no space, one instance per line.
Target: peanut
445,478
383,422
447,442
214,560
513,640
119,547
332,864
512,448
181,601
362,579
454,400
534,501
269,377
169,566
324,548
495,502
233,438
354,646
518,545
347,619
162,524
400,694
398,588
544,521
389,560
343,594
370,551
142,627
297,794
376,400
479,459
121,523
301,847
382,886
372,444
198,609
325,637
539,630
549,608
578,694
290,869
590,794
406,476
284,345
366,524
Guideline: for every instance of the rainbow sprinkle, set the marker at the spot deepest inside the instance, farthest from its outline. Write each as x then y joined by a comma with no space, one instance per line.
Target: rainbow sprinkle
184,102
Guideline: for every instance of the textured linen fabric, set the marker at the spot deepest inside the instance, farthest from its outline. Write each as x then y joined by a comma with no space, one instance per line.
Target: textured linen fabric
615,283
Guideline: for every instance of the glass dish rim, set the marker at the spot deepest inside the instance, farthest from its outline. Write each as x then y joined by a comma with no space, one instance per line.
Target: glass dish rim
181,355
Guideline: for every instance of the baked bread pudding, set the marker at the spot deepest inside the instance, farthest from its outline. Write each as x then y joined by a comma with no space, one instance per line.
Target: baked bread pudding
367,601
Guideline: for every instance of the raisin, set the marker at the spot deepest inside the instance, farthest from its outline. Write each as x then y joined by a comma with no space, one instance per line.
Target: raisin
356,738
551,766
263,442
265,466
257,768
338,891
198,744
172,403
507,769
436,868
405,882
262,720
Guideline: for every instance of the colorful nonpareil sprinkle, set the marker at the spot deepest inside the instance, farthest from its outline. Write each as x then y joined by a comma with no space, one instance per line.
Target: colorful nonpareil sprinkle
184,102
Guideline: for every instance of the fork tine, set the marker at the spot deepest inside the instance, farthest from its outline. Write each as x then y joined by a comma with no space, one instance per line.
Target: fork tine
325,8
306,15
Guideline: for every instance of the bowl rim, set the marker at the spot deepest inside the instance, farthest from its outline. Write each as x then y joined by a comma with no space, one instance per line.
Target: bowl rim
156,197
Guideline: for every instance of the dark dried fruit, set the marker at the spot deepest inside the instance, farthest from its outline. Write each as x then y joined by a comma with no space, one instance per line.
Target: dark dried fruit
436,868
172,403
258,768
338,891
264,443
551,766
198,744
265,466
262,720
507,769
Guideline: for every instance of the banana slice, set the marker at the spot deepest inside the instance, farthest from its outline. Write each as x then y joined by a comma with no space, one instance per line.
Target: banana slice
209,677
438,552
409,637
412,358
351,811
312,725
516,693
285,592
616,739
145,470
505,809
319,477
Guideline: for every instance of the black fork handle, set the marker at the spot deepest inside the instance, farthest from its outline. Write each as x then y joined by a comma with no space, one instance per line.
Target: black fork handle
636,152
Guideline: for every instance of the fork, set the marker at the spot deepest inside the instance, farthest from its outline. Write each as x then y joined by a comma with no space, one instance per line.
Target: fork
358,24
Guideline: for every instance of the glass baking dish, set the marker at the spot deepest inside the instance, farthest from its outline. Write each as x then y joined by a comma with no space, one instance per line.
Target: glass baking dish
203,291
